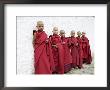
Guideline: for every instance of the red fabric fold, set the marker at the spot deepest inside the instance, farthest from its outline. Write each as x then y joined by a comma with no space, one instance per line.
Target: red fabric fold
41,60
67,54
58,54
86,50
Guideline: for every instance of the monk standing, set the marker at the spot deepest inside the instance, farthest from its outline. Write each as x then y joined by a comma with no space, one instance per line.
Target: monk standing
57,50
74,50
41,60
80,52
67,54
86,49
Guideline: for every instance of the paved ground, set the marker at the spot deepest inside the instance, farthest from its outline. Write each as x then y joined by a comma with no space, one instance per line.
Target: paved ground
87,69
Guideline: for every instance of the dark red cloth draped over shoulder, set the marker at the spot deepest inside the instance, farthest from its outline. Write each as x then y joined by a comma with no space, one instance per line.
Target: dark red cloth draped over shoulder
57,54
86,50
80,52
41,60
50,55
67,54
74,51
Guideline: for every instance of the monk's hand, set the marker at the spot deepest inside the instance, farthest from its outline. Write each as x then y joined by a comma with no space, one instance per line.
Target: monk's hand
63,42
76,44
54,46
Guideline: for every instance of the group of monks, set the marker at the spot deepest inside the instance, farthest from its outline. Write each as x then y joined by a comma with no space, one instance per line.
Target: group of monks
58,54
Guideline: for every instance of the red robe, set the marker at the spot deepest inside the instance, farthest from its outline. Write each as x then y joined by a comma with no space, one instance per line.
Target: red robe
58,54
86,50
80,52
67,54
74,52
50,55
41,59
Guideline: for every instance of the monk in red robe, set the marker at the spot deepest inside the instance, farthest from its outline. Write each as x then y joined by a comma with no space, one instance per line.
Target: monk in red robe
50,54
67,54
86,49
41,60
74,50
80,52
57,50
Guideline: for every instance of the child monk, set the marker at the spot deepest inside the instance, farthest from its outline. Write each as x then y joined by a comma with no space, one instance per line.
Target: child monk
57,50
41,59
74,50
80,52
86,49
67,54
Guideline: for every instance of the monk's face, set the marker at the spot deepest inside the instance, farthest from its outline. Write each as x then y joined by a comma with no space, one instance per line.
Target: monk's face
83,34
40,27
55,30
79,34
72,33
62,34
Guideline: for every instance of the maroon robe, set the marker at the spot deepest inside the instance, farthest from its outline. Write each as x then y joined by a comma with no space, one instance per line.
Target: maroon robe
86,50
41,59
74,52
58,54
80,52
50,55
67,54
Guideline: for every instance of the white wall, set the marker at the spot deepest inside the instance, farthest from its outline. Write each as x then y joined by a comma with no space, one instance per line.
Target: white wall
25,26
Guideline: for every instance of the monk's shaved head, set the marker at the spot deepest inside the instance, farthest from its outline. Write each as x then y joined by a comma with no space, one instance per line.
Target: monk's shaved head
55,30
72,33
83,33
62,32
79,33
40,23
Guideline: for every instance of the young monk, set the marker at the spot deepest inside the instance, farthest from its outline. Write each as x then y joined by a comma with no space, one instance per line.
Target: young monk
74,50
67,54
57,50
41,59
80,52
86,49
